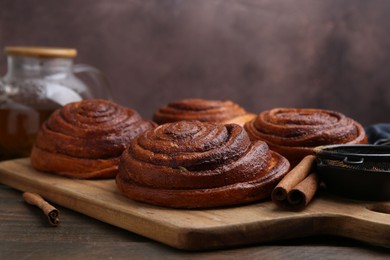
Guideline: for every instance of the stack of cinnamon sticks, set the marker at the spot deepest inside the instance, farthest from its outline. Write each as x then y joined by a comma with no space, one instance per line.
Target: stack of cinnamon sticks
298,187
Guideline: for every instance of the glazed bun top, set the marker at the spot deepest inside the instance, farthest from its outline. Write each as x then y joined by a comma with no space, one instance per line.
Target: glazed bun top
294,132
198,109
85,139
193,164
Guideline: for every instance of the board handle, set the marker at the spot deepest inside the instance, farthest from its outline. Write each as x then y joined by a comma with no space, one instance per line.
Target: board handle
369,223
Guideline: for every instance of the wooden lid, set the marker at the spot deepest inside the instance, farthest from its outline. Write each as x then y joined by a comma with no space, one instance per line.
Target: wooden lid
48,52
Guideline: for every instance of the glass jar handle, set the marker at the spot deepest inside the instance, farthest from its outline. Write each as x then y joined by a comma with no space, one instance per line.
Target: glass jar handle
98,78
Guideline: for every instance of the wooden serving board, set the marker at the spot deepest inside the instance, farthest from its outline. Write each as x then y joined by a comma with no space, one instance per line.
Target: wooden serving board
205,229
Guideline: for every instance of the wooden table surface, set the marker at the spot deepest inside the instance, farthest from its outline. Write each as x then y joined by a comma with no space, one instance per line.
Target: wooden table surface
26,234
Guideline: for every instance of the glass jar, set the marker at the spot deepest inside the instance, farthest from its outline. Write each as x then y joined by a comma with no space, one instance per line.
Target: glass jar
38,81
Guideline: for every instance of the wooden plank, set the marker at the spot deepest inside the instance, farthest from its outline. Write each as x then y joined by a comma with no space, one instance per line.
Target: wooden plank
205,229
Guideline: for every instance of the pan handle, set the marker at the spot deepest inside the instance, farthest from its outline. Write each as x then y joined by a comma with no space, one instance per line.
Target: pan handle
352,161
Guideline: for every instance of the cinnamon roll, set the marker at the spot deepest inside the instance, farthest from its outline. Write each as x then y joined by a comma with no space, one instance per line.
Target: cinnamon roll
295,132
222,111
193,164
85,139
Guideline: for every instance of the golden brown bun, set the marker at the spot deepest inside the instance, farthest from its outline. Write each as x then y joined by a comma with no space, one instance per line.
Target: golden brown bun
85,139
193,164
221,111
295,132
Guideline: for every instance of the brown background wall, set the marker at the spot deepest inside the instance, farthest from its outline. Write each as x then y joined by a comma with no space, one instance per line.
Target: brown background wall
260,53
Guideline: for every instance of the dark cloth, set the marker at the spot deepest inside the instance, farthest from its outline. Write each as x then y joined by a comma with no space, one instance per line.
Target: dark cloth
378,133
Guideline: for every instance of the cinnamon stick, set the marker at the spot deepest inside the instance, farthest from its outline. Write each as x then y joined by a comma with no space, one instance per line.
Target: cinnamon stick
302,194
298,187
51,212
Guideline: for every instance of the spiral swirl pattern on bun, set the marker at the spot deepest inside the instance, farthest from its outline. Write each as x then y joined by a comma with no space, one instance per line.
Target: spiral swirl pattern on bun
85,139
295,132
192,164
202,110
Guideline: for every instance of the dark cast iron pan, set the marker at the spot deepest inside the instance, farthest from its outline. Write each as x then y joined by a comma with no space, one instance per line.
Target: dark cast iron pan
355,171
